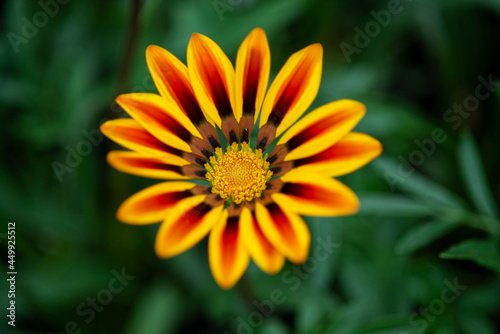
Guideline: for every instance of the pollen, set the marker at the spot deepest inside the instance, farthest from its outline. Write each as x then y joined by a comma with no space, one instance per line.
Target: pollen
239,174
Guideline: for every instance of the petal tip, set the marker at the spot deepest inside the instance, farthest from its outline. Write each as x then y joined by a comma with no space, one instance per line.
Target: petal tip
161,251
379,148
154,51
316,48
196,38
225,283
152,48
356,205
122,98
259,32
121,215
356,106
299,258
106,127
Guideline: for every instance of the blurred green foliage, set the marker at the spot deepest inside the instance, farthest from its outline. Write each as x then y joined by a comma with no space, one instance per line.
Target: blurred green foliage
423,227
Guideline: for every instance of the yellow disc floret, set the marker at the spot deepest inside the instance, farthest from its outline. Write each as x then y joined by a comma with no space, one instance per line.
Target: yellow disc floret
239,173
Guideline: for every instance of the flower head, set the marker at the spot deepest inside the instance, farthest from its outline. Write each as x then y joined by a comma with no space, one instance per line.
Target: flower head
256,186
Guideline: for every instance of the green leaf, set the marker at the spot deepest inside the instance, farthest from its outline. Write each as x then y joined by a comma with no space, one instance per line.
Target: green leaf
348,318
406,178
422,235
473,174
392,205
310,313
483,252
484,223
158,311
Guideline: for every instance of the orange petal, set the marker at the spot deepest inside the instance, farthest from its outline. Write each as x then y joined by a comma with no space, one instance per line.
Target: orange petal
347,155
187,223
152,204
253,64
161,118
315,195
171,77
262,252
132,135
293,89
164,167
212,78
286,231
322,128
227,255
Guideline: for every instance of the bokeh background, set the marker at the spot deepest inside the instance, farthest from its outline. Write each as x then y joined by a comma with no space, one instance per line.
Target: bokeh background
422,255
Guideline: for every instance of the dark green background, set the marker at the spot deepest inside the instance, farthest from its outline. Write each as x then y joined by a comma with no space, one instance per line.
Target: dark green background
392,261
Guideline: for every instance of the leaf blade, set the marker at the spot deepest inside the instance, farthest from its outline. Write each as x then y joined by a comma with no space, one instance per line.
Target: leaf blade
473,174
423,235
416,184
483,252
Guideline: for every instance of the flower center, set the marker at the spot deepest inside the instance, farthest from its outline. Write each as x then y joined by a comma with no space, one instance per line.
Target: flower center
239,174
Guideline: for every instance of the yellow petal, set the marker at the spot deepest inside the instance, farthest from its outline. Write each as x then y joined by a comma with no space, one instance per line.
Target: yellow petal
322,128
187,223
315,195
347,155
162,119
212,78
293,89
171,77
261,250
132,135
159,167
152,204
253,64
227,255
286,231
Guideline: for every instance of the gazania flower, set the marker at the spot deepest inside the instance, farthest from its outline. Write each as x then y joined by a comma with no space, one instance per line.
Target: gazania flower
246,188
